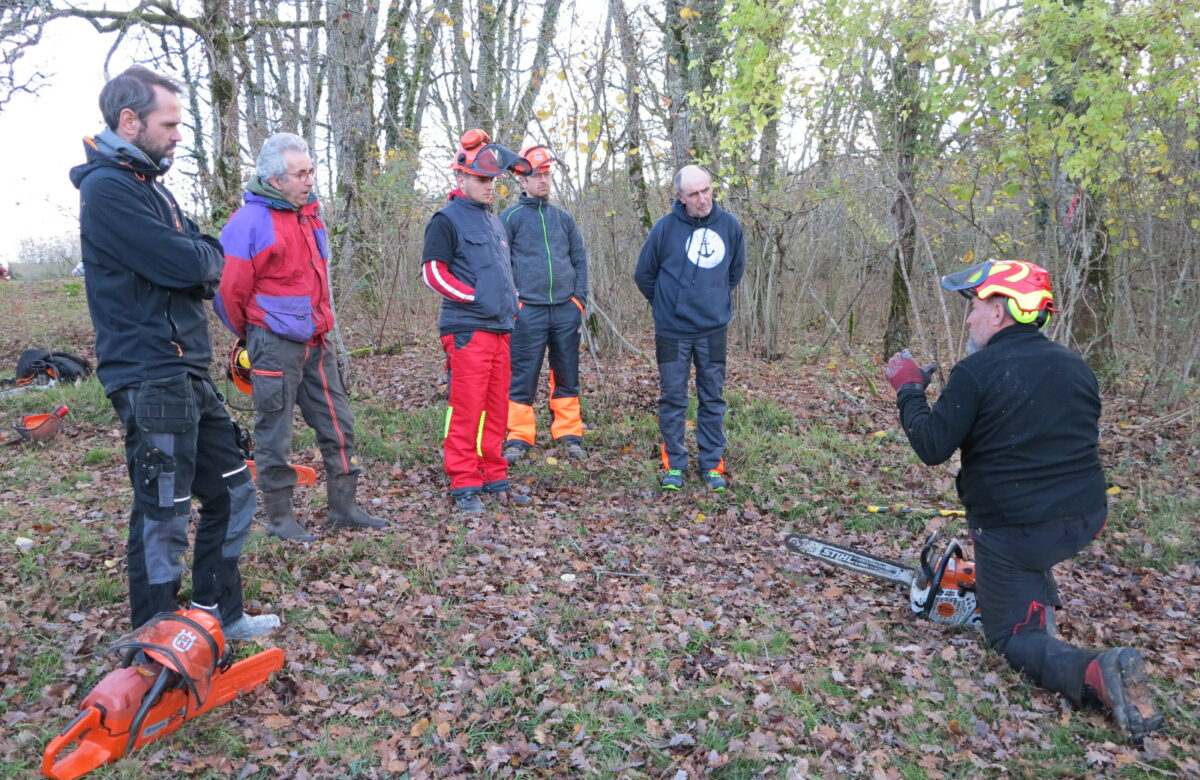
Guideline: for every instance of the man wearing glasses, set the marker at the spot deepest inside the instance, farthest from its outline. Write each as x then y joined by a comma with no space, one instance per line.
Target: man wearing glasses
274,295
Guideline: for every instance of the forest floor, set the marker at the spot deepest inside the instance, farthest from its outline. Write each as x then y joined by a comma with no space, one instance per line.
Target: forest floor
607,630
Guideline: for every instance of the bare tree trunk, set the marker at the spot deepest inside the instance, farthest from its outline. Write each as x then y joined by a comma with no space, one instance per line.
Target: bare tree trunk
633,122
350,30
906,122
221,31
1087,249
695,45
521,112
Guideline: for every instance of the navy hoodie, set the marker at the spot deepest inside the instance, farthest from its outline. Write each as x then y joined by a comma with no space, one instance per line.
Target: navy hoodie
688,269
148,268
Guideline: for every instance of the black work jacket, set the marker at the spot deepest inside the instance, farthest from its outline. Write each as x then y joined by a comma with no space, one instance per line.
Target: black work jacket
149,269
1025,412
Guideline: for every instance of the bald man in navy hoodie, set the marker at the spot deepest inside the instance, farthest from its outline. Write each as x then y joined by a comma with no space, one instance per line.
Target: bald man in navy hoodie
690,264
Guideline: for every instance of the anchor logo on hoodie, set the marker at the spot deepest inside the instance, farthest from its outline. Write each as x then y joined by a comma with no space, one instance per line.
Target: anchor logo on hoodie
705,248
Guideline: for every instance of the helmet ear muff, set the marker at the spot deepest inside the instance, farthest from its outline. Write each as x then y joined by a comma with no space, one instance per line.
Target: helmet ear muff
1039,317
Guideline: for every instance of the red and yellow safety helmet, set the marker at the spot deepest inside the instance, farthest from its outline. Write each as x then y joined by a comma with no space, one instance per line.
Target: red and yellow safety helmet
239,368
478,156
1025,285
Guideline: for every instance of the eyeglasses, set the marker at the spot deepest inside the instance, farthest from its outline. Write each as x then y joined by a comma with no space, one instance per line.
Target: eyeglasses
311,173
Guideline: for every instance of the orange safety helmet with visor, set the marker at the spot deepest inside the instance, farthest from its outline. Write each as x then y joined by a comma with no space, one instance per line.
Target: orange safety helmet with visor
478,156
540,157
1024,285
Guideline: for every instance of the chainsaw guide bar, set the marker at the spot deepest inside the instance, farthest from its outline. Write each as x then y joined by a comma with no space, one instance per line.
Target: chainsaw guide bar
854,560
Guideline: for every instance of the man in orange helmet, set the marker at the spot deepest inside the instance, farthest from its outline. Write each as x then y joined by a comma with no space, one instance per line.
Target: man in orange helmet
1025,413
466,261
550,269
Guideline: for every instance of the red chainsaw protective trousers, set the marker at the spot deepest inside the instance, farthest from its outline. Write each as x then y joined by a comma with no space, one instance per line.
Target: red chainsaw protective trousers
480,372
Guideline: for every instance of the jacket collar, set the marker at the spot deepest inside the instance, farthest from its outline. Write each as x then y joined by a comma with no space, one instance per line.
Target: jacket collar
680,212
1015,331
259,190
109,146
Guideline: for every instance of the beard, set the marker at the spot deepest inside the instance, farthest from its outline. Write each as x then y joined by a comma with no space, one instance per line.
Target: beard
156,153
972,347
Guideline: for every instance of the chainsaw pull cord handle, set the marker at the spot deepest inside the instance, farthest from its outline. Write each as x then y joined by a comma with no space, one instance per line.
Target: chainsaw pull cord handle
135,726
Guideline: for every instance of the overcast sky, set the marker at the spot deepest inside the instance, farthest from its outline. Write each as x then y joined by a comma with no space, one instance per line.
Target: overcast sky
42,135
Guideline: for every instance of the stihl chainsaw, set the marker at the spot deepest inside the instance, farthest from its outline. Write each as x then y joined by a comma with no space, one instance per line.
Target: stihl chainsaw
941,590
174,668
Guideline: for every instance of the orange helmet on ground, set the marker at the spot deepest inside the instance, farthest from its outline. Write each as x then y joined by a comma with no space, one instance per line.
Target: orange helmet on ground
1025,286
540,157
239,368
478,156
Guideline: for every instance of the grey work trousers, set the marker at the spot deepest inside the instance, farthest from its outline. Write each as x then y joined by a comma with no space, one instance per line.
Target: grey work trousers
675,360
286,374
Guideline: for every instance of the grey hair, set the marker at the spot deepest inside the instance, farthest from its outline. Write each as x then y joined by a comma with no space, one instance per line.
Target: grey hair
270,164
132,89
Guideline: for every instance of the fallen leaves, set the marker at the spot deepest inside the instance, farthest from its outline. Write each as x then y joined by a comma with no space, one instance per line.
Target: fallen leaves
609,630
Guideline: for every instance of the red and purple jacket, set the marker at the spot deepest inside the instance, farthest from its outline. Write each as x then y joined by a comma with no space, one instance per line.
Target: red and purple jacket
276,271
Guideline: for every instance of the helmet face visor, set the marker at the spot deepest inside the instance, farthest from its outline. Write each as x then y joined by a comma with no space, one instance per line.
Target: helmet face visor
493,160
966,280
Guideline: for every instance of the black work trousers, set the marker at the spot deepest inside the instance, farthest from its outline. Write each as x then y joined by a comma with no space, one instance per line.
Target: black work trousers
180,442
1017,594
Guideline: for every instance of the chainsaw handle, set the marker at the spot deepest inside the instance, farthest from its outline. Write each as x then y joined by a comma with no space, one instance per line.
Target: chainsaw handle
925,575
86,757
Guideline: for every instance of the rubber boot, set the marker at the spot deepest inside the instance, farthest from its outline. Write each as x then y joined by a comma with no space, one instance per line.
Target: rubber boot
280,520
343,504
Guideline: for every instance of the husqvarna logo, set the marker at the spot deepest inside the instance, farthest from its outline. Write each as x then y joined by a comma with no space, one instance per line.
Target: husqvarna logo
705,248
184,640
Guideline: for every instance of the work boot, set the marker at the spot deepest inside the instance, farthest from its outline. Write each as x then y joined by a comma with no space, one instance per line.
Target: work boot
281,522
468,503
672,479
249,627
504,494
1116,680
343,504
514,451
575,450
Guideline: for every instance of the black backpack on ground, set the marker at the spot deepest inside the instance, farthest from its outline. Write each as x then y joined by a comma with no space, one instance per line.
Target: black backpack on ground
61,366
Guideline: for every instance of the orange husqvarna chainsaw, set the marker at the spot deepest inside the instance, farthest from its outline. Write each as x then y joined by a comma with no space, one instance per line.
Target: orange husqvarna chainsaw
174,668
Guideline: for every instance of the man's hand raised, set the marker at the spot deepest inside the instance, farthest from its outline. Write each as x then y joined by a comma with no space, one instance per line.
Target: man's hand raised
902,370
